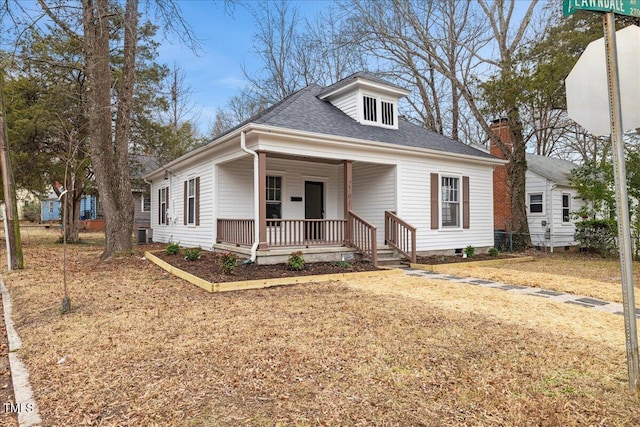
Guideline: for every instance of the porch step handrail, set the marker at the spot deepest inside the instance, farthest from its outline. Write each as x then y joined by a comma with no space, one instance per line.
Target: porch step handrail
236,231
400,235
363,237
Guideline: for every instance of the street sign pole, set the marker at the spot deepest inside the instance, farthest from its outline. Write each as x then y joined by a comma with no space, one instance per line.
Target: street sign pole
622,207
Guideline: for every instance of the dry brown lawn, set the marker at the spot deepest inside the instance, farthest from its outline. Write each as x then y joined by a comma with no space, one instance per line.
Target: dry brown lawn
143,348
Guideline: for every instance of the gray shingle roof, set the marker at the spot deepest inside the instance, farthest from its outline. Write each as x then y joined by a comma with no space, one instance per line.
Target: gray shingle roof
551,168
304,111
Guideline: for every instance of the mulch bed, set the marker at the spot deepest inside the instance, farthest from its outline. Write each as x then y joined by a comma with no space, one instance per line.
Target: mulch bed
208,267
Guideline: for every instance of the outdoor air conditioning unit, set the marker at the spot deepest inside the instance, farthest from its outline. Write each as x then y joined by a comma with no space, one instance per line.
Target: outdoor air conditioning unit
143,236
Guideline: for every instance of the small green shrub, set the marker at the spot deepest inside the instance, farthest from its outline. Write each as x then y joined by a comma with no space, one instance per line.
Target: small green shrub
228,262
597,235
343,264
469,251
296,261
173,249
494,252
192,254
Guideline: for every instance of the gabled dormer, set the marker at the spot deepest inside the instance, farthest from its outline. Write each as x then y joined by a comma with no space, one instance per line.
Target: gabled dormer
367,99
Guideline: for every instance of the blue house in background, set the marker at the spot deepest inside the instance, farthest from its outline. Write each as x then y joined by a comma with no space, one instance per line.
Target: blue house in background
88,208
51,208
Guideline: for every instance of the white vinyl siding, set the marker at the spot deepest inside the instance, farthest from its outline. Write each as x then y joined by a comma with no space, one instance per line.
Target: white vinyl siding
348,103
414,203
560,232
374,192
295,173
235,189
176,231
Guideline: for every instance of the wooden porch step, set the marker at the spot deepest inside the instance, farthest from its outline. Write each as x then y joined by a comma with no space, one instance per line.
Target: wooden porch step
388,257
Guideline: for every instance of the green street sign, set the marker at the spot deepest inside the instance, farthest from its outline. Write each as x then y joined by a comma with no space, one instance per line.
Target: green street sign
621,7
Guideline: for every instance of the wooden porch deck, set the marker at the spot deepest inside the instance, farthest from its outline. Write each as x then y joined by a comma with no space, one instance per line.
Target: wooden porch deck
353,232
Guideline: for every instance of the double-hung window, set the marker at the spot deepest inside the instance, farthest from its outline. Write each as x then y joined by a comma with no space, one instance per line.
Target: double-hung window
163,205
146,202
192,201
274,197
566,208
450,201
535,203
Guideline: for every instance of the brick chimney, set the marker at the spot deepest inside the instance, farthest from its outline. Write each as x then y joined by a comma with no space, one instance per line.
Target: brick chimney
501,189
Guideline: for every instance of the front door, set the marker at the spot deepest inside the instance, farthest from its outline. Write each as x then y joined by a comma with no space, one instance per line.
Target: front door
314,209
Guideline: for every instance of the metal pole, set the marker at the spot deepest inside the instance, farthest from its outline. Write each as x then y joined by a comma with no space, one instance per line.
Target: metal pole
6,236
622,208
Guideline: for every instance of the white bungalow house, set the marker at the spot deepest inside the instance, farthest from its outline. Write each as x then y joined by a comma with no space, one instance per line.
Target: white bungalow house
551,200
333,171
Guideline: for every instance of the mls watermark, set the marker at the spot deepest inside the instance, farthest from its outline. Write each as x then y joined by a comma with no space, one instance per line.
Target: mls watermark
18,407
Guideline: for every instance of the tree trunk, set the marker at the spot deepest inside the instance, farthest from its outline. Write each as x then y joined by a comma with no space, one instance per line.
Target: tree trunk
11,213
109,153
517,173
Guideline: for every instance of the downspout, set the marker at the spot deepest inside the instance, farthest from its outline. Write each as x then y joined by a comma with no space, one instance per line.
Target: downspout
256,197
552,241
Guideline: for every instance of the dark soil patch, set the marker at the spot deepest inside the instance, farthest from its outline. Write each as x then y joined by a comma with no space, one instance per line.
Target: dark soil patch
208,267
450,259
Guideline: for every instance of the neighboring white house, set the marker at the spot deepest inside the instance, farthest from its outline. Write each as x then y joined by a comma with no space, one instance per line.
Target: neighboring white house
323,170
551,200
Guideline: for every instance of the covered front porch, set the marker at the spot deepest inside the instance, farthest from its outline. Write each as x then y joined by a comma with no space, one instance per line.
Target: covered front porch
310,204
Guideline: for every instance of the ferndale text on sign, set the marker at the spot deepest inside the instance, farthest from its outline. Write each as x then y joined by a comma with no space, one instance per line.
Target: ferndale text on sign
621,7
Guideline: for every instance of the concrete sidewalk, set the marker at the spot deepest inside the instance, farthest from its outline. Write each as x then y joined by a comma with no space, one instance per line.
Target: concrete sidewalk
583,301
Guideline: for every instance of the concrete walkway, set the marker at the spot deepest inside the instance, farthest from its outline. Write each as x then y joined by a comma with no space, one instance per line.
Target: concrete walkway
583,301
25,404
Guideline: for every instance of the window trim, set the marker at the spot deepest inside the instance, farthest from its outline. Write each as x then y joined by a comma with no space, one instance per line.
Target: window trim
274,202
191,211
568,208
163,205
191,201
458,202
142,200
541,203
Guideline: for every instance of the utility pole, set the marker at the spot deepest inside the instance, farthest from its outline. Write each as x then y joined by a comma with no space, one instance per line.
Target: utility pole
9,191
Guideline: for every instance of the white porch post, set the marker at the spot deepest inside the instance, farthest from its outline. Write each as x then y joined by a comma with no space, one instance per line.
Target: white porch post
348,198
261,221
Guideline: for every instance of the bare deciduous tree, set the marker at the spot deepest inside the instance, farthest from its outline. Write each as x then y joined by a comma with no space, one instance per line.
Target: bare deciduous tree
463,43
